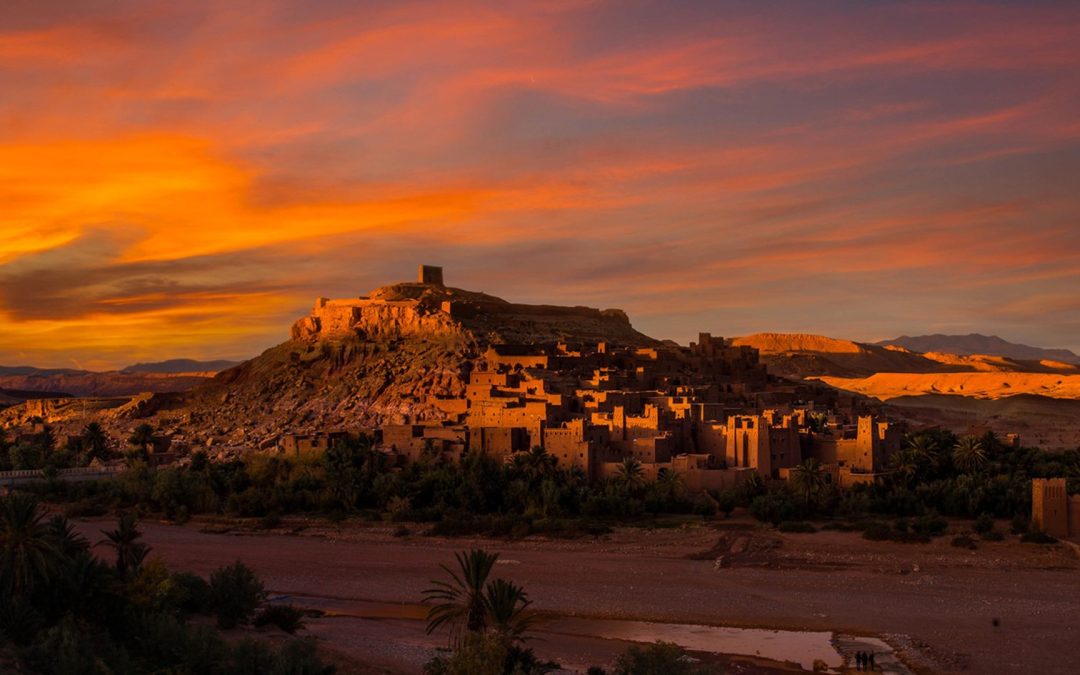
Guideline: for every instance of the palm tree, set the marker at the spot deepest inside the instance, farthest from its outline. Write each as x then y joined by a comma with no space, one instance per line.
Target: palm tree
969,454
130,552
67,541
670,483
809,479
95,442
28,555
906,465
461,600
507,606
142,438
924,449
630,473
536,464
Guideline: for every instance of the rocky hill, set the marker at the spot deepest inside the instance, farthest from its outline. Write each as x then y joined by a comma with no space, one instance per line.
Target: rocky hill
355,362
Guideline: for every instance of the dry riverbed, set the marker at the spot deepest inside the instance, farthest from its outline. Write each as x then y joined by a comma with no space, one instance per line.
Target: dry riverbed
1004,608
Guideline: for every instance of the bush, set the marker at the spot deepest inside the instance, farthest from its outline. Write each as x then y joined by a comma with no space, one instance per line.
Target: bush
877,532
774,508
993,535
984,523
235,594
964,541
1037,537
1020,524
401,531
659,658
796,526
285,617
193,593
930,524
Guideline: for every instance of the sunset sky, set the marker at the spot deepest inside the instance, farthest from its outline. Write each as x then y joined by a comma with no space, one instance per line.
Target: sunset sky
182,179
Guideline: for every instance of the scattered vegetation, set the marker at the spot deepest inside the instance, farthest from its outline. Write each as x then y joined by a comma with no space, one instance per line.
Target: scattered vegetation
65,611
486,620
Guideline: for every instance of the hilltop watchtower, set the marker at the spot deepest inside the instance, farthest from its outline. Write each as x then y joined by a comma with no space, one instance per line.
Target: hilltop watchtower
429,274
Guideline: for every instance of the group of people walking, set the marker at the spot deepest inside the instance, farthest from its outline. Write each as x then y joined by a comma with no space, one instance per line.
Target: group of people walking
865,661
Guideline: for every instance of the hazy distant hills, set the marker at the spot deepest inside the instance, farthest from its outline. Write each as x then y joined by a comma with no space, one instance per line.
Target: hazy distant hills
19,383
177,366
975,343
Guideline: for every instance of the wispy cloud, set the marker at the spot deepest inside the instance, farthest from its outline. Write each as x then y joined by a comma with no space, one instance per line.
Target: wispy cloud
185,177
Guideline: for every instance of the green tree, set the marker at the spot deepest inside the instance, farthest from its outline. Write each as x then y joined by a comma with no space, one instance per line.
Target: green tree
235,594
28,554
507,607
808,480
95,442
124,540
142,439
670,484
630,474
969,455
461,602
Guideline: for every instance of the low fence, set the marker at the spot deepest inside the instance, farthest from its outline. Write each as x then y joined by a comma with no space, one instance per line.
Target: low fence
83,473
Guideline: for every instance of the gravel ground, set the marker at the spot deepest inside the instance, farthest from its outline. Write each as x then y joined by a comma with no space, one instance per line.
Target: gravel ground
935,602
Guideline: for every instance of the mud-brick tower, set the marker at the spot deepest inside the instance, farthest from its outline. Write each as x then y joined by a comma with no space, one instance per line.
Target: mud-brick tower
429,274
1049,506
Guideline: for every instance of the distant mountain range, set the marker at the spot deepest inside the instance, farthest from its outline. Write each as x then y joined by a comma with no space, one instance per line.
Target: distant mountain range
966,345
175,366
22,382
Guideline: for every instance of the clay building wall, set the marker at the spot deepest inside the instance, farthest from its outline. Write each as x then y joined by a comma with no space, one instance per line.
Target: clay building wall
1050,506
500,442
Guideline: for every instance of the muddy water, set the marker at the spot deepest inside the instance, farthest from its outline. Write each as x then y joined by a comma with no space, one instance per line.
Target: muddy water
800,647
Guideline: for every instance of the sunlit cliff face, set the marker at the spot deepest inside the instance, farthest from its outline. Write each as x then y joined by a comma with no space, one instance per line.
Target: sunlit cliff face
184,178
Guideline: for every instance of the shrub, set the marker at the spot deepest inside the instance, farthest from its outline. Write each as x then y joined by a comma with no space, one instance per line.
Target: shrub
993,535
401,531
930,524
285,617
193,593
796,526
235,594
659,658
1037,537
774,508
877,532
1020,524
964,541
984,523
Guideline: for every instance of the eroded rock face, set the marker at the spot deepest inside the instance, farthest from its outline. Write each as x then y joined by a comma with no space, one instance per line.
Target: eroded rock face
419,310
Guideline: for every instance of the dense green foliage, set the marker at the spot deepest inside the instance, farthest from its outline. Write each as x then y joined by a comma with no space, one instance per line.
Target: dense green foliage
479,495
63,610
935,474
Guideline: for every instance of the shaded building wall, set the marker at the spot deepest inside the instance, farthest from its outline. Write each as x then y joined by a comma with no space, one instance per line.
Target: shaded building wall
1050,506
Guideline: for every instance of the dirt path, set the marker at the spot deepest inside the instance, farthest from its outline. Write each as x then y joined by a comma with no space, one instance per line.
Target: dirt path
936,601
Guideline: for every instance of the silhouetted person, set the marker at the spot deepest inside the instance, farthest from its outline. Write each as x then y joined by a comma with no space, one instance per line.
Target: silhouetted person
858,660
872,665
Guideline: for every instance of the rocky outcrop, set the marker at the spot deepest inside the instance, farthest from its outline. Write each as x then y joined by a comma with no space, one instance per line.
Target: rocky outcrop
428,310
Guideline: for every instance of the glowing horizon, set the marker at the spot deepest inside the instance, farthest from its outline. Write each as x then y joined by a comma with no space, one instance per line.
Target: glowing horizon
183,179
